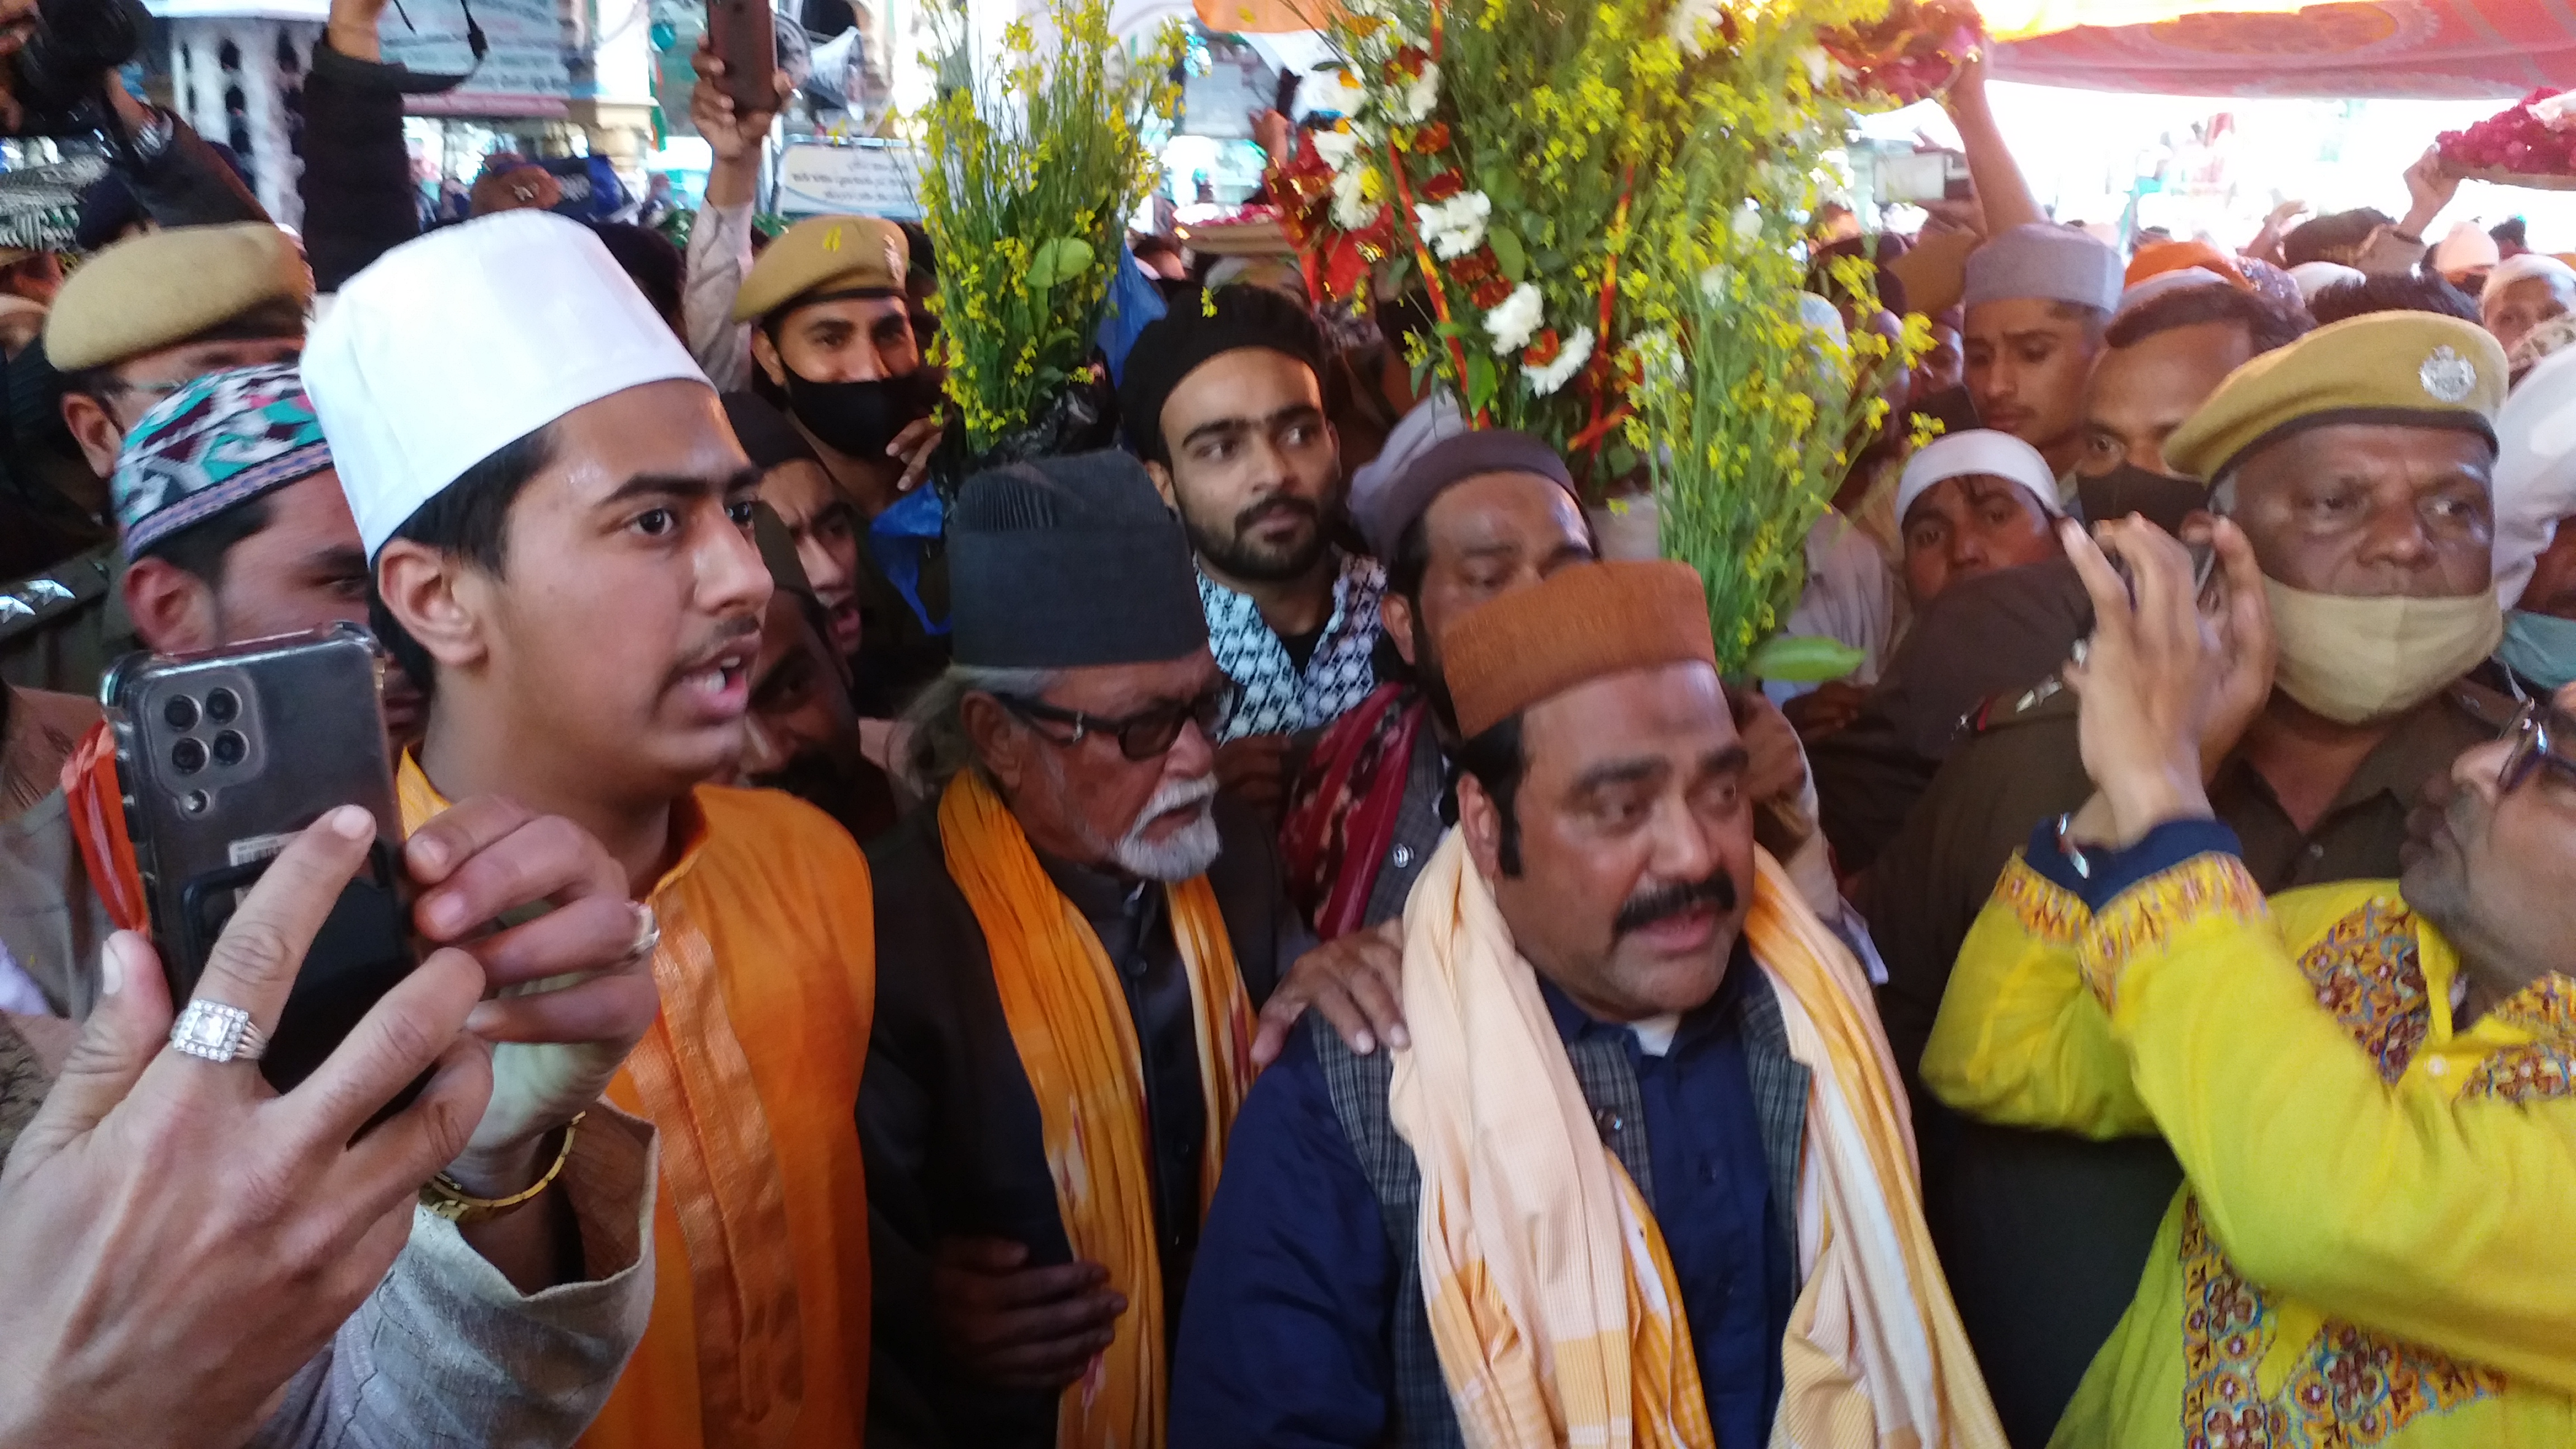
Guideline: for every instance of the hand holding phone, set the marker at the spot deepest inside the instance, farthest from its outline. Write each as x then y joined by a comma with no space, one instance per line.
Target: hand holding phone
744,36
226,756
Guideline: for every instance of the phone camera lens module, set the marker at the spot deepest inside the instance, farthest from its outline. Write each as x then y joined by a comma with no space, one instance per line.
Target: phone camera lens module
189,756
222,706
230,747
180,712
195,802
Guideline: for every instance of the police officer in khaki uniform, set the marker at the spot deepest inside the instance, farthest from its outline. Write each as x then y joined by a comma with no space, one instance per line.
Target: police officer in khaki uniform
834,346
2358,462
139,321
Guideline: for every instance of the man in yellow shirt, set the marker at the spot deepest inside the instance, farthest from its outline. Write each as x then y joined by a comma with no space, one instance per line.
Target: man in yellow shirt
556,518
2371,1086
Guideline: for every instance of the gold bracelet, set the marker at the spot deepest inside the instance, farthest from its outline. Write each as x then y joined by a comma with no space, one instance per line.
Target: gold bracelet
446,1198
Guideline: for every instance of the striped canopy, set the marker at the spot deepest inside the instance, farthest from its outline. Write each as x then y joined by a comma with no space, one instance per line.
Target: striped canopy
2430,48
2426,48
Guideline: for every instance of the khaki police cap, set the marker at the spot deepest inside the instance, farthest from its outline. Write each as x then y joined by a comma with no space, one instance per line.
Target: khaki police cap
2414,368
821,255
162,288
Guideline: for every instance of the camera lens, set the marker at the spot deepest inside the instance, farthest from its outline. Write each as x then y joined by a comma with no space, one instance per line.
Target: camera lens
181,712
222,706
230,747
189,756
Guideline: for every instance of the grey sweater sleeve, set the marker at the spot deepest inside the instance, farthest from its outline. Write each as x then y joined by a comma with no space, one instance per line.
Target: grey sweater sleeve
447,1352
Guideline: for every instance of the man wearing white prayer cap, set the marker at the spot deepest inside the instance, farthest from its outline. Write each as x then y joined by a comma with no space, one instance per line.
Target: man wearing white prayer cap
2038,298
557,520
2466,256
1972,503
2523,292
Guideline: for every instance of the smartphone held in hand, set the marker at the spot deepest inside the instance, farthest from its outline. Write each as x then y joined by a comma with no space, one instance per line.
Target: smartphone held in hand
745,37
224,757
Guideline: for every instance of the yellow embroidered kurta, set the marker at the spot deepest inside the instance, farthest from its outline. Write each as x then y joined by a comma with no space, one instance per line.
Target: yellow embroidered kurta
759,1334
2376,1241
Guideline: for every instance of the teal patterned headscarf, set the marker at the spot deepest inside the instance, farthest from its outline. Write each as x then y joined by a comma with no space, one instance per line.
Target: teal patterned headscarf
220,441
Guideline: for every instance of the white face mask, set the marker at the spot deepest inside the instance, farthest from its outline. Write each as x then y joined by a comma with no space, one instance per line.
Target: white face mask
2354,660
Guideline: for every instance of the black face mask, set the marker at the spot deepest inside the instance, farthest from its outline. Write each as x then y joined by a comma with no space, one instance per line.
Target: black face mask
861,418
2159,498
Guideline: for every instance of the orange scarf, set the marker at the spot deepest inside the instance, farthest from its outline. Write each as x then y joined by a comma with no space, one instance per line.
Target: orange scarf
719,1171
1068,1018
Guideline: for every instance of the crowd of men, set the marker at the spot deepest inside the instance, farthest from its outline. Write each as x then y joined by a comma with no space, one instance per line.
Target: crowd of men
1266,934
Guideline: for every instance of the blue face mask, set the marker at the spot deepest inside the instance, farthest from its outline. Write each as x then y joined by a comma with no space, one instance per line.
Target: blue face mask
2540,648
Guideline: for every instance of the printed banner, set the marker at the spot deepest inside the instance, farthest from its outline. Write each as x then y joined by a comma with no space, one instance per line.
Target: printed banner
867,179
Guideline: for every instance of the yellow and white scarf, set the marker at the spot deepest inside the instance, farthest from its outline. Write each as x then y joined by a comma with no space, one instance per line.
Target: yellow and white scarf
1552,1301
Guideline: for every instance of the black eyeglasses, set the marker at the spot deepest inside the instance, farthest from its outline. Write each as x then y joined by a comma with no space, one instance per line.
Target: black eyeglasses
2534,733
1149,733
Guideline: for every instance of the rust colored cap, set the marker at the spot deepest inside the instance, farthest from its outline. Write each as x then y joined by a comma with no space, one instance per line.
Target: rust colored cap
1578,624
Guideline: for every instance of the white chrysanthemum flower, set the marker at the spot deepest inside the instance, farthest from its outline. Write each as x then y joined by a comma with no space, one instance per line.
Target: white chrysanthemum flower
1820,66
1748,223
1515,322
1544,381
1337,147
1454,227
1659,355
1353,208
1713,283
1413,104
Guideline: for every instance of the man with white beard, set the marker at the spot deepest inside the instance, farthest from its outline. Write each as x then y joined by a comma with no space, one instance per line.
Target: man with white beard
1071,944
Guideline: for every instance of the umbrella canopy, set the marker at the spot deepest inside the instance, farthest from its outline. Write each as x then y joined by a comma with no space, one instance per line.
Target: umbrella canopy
2427,48
2459,49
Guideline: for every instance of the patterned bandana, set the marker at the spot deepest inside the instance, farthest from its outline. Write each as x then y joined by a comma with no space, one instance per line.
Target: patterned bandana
224,439
1278,697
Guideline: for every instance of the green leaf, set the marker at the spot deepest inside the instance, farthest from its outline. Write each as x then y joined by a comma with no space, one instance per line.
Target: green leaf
1804,659
1480,381
1620,459
1507,250
1062,260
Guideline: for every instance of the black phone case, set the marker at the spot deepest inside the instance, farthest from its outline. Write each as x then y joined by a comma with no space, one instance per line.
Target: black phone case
224,756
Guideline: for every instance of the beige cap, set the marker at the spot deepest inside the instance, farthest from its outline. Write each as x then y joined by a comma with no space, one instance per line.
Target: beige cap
160,289
825,254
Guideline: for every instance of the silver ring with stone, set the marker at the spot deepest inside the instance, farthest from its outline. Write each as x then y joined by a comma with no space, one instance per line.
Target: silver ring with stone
648,934
212,1031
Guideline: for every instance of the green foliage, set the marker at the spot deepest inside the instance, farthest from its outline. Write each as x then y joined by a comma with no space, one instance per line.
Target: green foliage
1031,168
1608,201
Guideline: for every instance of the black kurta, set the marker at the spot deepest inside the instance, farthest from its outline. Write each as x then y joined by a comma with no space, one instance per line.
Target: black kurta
950,1125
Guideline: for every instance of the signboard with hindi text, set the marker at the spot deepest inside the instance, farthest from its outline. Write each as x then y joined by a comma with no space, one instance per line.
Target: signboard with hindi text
522,73
872,178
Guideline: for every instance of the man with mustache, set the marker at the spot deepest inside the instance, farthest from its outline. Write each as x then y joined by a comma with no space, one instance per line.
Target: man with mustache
2356,461
1075,936
1642,1167
557,519
2371,1085
1223,399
